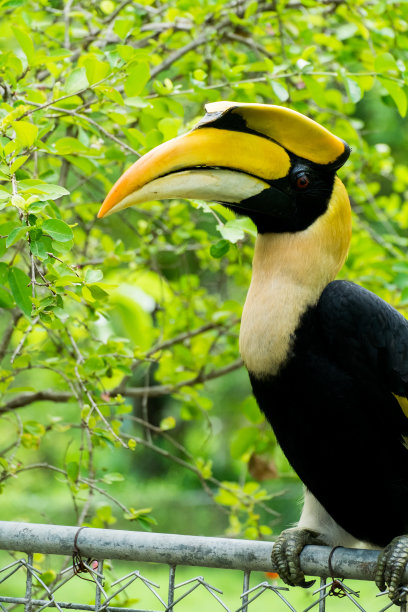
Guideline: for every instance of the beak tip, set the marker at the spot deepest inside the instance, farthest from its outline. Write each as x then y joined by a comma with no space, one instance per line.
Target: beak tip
106,208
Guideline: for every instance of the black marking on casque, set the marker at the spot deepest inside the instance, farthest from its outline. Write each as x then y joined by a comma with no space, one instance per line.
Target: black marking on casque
282,207
233,121
226,120
333,412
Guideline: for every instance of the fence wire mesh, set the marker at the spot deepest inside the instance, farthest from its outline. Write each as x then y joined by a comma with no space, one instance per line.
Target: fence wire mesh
86,578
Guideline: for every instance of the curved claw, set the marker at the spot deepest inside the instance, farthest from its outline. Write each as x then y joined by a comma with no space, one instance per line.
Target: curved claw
285,555
390,567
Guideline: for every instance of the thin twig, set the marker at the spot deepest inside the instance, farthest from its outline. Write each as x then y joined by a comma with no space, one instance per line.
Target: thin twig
159,390
96,125
8,332
23,339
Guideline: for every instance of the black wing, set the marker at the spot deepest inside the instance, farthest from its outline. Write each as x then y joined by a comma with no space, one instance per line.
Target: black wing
366,335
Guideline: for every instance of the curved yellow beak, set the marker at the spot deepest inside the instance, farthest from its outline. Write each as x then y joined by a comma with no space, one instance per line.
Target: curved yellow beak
198,165
233,154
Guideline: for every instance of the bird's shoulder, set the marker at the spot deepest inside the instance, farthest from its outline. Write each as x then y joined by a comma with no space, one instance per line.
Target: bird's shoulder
361,327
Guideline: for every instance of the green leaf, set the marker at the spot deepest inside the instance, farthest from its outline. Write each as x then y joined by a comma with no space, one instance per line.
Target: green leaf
353,89
25,42
49,191
95,70
168,423
250,408
58,230
15,235
231,231
69,145
4,195
6,301
113,477
169,127
137,79
96,291
279,90
34,428
26,132
3,272
62,247
41,247
384,63
93,276
126,52
94,365
76,81
245,224
73,471
18,162
122,28
219,249
21,289
315,89
110,92
251,9
243,441
54,55
107,6
397,94
137,102
48,576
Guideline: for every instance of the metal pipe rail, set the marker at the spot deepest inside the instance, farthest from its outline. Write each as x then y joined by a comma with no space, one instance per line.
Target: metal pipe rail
181,550
172,550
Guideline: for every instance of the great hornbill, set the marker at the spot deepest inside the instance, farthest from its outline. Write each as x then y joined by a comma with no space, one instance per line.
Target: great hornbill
327,360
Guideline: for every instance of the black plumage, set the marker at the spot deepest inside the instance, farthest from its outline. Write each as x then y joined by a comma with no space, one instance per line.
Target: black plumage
333,411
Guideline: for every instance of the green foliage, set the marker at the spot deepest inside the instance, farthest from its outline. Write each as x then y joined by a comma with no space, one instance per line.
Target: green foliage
112,331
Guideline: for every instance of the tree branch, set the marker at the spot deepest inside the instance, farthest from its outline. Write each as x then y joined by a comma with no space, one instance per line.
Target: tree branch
96,125
8,332
187,335
158,390
177,54
26,398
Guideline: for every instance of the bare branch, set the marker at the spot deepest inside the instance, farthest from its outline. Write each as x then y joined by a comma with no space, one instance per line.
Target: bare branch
178,53
29,397
23,339
96,125
87,481
187,335
8,332
51,102
158,390
249,42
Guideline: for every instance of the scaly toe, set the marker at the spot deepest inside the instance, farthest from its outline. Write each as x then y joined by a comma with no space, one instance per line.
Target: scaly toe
391,565
285,555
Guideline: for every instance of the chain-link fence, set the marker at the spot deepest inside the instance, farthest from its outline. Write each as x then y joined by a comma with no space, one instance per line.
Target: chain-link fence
26,582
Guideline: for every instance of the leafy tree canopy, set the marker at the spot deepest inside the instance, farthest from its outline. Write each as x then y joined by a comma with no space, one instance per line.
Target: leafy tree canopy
119,337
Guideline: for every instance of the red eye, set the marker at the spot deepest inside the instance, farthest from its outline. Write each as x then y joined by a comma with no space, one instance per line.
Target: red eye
302,181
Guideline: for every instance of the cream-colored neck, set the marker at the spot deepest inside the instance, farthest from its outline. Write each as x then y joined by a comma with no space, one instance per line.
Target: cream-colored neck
289,273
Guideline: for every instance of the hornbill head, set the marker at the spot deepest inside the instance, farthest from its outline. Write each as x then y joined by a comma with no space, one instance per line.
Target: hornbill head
266,162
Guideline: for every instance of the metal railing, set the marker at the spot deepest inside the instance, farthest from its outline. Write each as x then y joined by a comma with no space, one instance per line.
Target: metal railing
38,589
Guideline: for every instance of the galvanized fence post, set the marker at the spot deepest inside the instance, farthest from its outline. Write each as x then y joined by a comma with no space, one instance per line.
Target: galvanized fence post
29,584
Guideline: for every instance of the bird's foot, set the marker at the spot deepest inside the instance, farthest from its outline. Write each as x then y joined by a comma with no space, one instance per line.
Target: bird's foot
391,566
285,555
